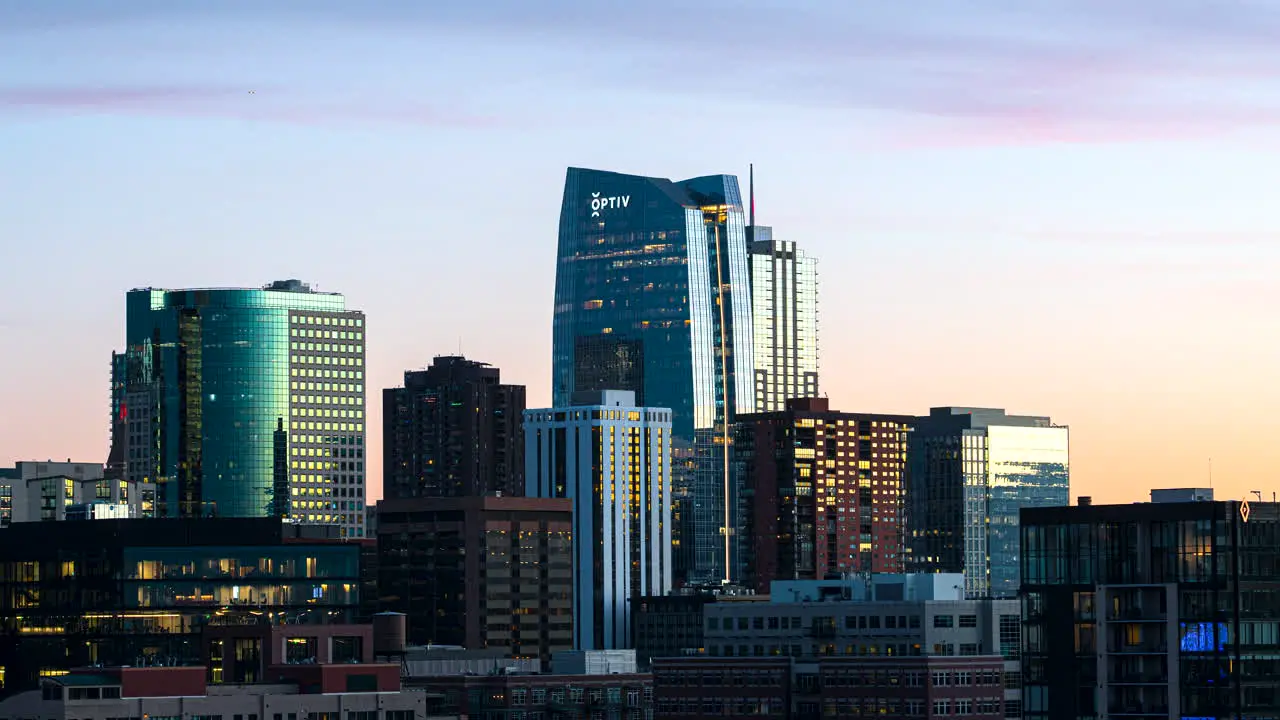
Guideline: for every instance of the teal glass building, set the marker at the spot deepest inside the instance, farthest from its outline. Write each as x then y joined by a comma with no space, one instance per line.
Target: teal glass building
244,403
653,296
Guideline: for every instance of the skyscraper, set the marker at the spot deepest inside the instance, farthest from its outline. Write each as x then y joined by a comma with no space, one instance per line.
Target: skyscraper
970,472
453,430
244,402
653,296
613,460
821,493
784,300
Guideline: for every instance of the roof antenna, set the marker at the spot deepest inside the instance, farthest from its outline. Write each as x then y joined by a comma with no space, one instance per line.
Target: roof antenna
751,188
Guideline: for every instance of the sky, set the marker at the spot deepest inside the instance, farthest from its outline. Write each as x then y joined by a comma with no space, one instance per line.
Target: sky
1059,207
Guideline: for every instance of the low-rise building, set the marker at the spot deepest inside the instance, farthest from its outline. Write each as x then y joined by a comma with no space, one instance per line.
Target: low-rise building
363,692
32,491
808,689
620,697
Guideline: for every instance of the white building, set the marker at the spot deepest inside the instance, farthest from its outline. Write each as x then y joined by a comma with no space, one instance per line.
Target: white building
32,491
613,460
784,315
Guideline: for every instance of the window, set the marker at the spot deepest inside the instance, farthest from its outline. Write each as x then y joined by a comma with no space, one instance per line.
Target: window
968,649
1010,636
943,621
968,621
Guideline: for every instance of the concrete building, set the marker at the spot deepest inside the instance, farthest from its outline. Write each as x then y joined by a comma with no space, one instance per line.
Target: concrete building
480,572
895,617
785,688
514,695
612,459
33,491
363,692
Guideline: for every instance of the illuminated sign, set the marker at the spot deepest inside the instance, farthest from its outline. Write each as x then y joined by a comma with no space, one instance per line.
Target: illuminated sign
607,203
1244,511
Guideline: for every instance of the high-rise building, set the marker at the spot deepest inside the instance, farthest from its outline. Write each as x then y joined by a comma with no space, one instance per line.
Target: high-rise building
244,403
481,572
653,296
784,312
612,458
820,493
453,430
970,471
1151,610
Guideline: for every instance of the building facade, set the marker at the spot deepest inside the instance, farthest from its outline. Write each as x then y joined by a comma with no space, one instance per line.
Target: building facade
34,491
612,459
971,470
618,697
365,691
1153,610
243,403
784,312
653,296
141,592
830,687
453,430
819,493
480,572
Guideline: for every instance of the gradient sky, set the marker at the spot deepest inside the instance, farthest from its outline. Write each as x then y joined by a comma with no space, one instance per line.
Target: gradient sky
1061,207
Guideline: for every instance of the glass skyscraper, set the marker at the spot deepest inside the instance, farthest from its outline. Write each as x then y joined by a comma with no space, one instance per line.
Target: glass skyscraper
244,403
784,299
970,472
653,296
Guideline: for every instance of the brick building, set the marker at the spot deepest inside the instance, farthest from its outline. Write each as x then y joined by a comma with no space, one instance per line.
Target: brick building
820,493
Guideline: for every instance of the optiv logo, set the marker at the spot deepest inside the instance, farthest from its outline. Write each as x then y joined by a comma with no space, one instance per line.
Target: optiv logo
607,203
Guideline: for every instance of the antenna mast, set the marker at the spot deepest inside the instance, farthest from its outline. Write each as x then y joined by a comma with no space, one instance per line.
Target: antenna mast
751,188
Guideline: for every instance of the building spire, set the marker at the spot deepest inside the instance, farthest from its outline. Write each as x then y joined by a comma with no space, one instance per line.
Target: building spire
751,188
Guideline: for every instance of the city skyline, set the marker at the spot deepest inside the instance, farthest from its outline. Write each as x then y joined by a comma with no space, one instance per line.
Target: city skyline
1077,255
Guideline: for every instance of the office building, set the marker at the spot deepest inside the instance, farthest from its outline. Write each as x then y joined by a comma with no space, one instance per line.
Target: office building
1151,610
33,491
142,592
668,625
366,691
612,459
786,688
970,471
784,312
453,430
653,296
243,403
551,696
480,572
819,493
